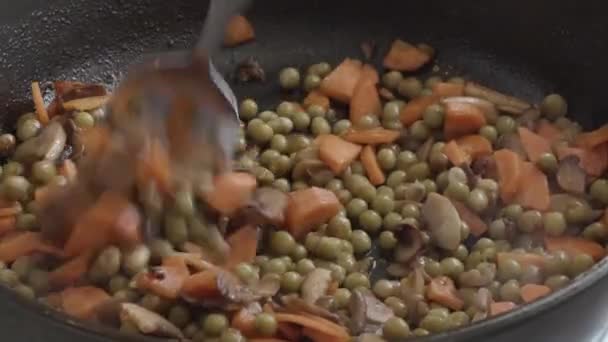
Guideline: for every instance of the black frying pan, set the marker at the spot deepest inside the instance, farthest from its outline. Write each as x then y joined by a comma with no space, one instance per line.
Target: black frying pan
527,48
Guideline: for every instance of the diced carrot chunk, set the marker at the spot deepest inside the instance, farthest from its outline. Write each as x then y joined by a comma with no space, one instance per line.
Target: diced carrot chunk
448,89
165,281
475,145
309,208
244,321
338,153
7,224
403,56
243,246
317,324
594,161
533,190
365,101
510,169
592,139
373,136
82,302
534,144
200,286
68,170
26,243
238,31
462,119
369,73
532,292
443,291
498,308
575,245
315,97
231,191
475,223
71,272
154,166
341,82
372,168
414,109
456,155
548,131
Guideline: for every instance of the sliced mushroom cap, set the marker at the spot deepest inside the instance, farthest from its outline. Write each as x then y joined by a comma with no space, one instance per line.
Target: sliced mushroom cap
511,141
233,290
443,221
315,285
424,150
305,168
47,145
570,176
148,322
368,314
267,206
482,301
411,244
504,102
529,118
293,303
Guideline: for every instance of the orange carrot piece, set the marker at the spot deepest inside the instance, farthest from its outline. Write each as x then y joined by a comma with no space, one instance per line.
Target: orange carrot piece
317,324
510,169
443,291
309,208
575,245
498,308
524,259
475,145
317,336
243,246
41,114
155,166
71,272
165,281
477,226
533,190
534,144
374,136
25,243
338,153
462,119
403,56
448,89
82,302
592,139
456,155
532,292
341,82
244,321
369,73
594,162
238,31
365,101
548,131
414,109
231,191
10,208
7,224
68,170
315,97
201,285
371,166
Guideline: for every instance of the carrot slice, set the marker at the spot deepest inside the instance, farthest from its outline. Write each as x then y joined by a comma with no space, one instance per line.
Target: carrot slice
533,190
244,321
82,302
309,208
456,155
575,245
238,31
315,97
510,169
68,170
369,73
476,224
10,208
243,246
448,89
372,168
532,292
534,144
365,101
524,259
373,136
337,153
594,138
165,281
594,161
548,131
403,56
414,109
41,114
462,119
316,324
25,243
341,82
201,285
7,224
155,166
443,291
72,271
475,145
231,191
498,308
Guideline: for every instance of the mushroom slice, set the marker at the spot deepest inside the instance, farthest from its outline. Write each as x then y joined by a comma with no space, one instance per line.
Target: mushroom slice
267,206
503,102
368,314
315,285
293,303
235,291
570,176
148,322
443,221
411,243
49,144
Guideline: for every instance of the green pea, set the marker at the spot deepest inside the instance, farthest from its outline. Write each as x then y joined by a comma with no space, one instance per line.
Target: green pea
328,248
118,283
498,229
410,210
419,130
28,129
489,132
184,203
512,211
342,298
368,122
478,200
106,265
395,328
547,163
395,178
266,324
387,240
596,231
248,109
530,221
320,126
43,171
279,143
274,266
439,161
311,81
136,260
556,282
26,221
531,274
179,315
154,303
579,264
391,79
434,323
282,243
405,160
392,221
554,223
339,226
7,143
317,111
341,126
320,69
259,131
214,324
433,116
554,106
289,78
355,208
409,87
433,268
305,266
509,269
291,281
418,171
355,280
432,81
451,267
599,191
458,191
267,116
391,111
387,159
383,204
510,291
16,188
366,192
84,120
232,335
301,121
370,221
12,168
361,241
159,249
176,229
505,125
461,253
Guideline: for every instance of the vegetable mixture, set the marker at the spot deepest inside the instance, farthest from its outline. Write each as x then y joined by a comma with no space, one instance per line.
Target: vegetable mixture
375,207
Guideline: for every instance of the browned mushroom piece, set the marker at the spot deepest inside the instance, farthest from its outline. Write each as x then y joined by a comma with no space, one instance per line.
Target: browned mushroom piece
49,144
148,322
503,102
397,270
443,221
529,118
66,91
511,141
424,150
368,48
233,290
412,292
250,70
570,176
315,285
368,314
293,303
267,206
485,167
482,302
410,243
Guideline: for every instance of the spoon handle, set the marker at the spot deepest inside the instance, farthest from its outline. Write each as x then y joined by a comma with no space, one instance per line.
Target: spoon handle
218,15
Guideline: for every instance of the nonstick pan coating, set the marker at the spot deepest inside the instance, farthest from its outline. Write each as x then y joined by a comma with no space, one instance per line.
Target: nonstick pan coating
527,48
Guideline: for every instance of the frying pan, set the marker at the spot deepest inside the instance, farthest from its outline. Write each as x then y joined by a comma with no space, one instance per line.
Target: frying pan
526,48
